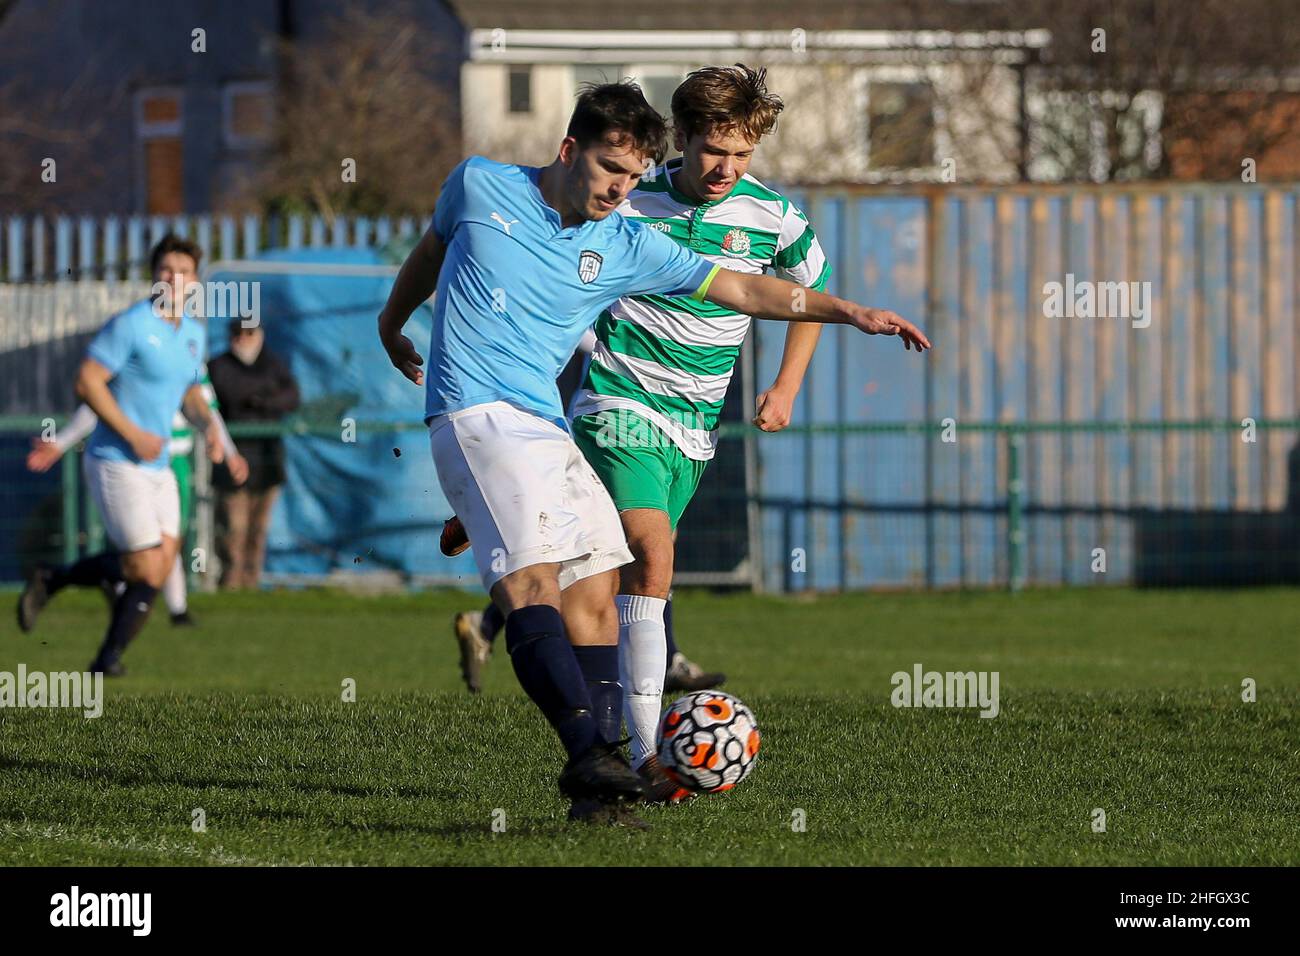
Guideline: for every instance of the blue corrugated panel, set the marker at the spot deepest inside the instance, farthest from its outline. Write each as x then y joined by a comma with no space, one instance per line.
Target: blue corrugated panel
1116,335
946,403
1184,377
1215,453
1045,524
885,533
979,495
1245,391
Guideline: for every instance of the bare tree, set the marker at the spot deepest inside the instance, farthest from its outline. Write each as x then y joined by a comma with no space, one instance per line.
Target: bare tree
1124,89
1127,84
363,127
37,127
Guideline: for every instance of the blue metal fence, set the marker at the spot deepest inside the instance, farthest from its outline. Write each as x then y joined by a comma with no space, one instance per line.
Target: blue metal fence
970,265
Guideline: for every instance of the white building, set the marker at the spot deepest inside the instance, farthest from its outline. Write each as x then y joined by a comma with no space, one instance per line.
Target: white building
862,105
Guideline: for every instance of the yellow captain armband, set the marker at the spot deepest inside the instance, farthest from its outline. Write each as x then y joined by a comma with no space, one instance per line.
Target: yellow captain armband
699,294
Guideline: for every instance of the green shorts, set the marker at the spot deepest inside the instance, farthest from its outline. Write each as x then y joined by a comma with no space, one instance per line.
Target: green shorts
638,464
183,469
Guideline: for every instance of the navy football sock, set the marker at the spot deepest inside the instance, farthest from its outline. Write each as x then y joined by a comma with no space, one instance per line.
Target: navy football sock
548,672
90,572
668,630
599,665
130,611
493,622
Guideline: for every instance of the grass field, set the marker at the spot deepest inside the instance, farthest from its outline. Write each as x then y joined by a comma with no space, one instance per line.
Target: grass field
1121,700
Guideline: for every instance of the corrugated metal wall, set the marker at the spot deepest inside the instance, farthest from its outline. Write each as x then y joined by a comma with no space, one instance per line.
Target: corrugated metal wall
969,266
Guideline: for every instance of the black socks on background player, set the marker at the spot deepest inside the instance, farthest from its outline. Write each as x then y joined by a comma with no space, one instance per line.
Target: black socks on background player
493,622
130,611
668,630
599,666
548,672
90,572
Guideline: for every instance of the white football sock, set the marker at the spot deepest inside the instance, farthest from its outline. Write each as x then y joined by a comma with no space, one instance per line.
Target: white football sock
642,659
174,589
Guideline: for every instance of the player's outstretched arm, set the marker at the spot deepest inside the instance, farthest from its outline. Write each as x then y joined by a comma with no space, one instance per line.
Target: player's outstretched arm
92,388
767,297
416,281
45,453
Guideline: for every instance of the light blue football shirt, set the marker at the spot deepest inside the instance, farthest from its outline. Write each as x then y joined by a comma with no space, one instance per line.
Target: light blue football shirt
153,364
517,291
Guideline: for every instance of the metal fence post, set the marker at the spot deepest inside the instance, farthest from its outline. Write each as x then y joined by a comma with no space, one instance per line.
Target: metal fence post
753,492
71,531
94,530
17,246
202,524
1015,511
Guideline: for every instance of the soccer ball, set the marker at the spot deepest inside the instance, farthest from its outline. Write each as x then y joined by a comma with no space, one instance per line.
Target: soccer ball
707,741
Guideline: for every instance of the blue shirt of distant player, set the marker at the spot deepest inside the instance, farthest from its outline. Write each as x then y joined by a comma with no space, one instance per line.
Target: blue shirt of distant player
153,364
516,290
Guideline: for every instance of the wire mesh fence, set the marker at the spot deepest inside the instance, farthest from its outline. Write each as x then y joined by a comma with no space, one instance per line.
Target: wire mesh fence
912,505
1031,504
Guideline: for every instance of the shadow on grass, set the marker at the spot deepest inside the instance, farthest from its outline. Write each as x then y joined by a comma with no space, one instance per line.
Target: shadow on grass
143,778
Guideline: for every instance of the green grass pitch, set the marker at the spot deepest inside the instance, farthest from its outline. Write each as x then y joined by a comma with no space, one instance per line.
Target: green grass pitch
1122,700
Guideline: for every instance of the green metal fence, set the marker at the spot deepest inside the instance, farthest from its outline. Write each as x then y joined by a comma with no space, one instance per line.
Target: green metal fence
996,504
1013,524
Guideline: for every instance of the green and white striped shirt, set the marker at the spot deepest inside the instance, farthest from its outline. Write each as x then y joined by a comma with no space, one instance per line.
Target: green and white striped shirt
182,440
670,358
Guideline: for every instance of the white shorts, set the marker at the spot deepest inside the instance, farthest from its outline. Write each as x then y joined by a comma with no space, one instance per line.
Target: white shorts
139,505
525,494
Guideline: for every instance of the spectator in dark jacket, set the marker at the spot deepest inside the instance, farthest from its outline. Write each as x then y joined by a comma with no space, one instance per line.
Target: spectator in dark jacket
252,385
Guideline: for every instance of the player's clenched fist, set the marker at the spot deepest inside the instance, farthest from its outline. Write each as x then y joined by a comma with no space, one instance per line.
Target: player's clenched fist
773,409
146,445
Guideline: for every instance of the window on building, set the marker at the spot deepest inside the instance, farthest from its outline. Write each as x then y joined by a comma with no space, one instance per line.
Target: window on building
658,91
900,119
598,73
521,89
247,114
159,121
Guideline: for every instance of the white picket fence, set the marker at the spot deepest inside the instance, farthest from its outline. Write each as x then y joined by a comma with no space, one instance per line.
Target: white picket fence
44,327
113,248
35,313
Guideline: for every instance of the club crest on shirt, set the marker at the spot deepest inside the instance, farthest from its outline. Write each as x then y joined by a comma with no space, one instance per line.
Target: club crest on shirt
194,348
589,264
735,243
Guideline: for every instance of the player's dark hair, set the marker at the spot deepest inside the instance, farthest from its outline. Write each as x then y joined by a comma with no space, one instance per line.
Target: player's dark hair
726,98
619,109
174,243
